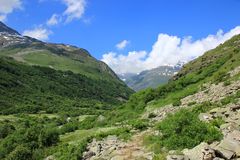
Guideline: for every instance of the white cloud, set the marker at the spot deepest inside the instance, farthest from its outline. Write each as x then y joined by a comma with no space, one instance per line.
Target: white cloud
38,33
8,6
166,50
54,20
3,17
122,44
75,9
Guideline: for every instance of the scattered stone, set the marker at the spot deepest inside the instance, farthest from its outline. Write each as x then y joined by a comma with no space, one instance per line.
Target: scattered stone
208,153
205,117
100,118
88,155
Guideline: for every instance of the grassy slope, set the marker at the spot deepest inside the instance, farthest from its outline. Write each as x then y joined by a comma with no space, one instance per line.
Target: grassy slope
31,89
60,57
224,58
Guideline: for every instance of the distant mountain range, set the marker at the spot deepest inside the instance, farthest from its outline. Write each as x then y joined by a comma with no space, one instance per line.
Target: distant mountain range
150,78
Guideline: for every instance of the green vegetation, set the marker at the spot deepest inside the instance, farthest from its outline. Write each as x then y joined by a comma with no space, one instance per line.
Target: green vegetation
58,98
184,130
26,89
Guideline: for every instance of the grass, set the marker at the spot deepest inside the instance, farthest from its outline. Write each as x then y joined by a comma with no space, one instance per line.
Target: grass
83,117
41,115
8,118
48,59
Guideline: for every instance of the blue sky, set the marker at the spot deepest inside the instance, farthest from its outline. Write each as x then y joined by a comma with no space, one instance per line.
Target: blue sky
102,24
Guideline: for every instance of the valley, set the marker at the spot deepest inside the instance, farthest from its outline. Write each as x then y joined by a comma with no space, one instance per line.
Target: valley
60,103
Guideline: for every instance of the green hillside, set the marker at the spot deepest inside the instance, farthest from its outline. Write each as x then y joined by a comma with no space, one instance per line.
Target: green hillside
31,89
59,57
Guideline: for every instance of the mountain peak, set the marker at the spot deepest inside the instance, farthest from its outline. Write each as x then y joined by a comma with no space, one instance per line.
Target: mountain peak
4,28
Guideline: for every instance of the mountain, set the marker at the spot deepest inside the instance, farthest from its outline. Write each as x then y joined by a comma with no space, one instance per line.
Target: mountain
150,78
57,56
6,29
39,76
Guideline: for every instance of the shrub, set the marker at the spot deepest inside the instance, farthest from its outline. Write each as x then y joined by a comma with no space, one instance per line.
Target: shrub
139,124
191,103
226,83
177,102
152,115
185,130
49,137
20,153
5,130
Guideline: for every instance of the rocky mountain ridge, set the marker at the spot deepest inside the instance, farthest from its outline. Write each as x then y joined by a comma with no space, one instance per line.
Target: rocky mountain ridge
150,78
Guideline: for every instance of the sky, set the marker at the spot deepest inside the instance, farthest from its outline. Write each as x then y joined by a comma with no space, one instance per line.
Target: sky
129,35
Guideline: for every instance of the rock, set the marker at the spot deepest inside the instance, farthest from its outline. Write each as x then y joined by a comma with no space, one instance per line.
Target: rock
217,158
229,147
100,118
88,155
235,107
177,157
226,154
118,158
228,127
235,135
196,152
208,153
205,117
138,153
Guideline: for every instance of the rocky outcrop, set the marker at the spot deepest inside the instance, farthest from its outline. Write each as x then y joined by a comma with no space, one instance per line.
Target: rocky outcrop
212,93
112,148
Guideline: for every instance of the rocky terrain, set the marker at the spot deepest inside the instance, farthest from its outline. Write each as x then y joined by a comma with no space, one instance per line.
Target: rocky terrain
228,148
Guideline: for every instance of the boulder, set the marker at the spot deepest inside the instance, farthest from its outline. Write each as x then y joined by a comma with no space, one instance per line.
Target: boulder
88,155
208,153
196,152
205,117
235,107
229,147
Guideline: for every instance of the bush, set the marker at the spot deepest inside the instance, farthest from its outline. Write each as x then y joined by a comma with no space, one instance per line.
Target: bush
20,153
139,124
49,137
185,130
6,129
152,115
177,102
226,83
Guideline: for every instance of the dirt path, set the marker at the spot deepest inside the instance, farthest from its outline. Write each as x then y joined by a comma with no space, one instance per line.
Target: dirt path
134,149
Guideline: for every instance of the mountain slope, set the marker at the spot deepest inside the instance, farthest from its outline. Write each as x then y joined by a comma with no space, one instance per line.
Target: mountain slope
57,56
150,78
31,89
38,76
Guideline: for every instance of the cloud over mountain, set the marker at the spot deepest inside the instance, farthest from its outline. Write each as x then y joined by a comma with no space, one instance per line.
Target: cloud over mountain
166,50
